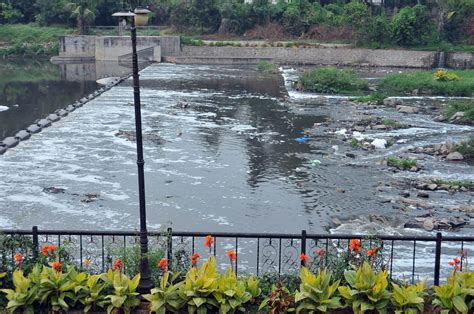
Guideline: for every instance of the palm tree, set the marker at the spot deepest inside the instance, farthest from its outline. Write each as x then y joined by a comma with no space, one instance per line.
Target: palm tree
83,11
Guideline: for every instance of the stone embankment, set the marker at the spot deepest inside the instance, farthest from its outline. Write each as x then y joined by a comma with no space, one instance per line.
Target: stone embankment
40,124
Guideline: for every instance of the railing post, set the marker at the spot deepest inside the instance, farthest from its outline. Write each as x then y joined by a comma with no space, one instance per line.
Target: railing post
170,246
34,233
439,238
303,245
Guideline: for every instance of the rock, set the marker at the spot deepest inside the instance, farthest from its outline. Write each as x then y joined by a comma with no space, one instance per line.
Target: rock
77,104
321,100
33,129
432,187
10,142
53,117
423,195
44,123
23,135
3,149
350,155
465,208
455,156
405,193
448,147
54,190
407,109
457,116
336,221
359,128
440,118
340,190
379,143
392,102
62,112
70,108
415,203
415,92
83,99
380,127
428,224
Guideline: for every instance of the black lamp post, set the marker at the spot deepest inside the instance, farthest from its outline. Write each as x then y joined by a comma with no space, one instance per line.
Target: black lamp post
139,17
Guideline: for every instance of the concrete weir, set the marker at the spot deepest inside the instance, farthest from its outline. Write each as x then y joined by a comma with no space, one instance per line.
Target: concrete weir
40,124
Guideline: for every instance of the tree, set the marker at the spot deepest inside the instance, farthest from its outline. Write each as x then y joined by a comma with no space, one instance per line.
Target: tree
84,13
411,26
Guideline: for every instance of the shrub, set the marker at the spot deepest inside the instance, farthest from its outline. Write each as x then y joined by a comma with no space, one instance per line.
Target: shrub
456,294
267,67
403,164
409,298
189,41
443,75
376,98
466,148
411,26
331,80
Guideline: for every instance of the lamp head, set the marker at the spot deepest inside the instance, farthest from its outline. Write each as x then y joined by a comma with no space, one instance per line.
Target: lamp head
141,16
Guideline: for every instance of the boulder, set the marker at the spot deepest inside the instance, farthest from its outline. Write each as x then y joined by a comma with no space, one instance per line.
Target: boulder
432,187
83,99
3,149
407,109
44,123
70,108
34,129
379,143
62,112
53,117
78,104
457,116
10,142
23,135
428,224
455,156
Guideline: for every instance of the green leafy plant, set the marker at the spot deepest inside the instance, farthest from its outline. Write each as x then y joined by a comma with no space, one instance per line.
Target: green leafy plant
231,293
316,293
409,299
23,296
280,300
166,297
331,80
375,98
124,295
92,293
252,286
267,67
367,290
453,295
57,289
199,287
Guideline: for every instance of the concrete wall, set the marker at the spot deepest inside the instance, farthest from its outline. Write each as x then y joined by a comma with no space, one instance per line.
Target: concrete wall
462,60
324,56
112,48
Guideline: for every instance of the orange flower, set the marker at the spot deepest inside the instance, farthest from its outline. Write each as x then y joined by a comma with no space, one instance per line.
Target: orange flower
371,252
87,262
451,263
208,241
304,259
57,266
45,249
118,264
321,252
52,248
163,263
18,258
355,245
232,255
194,259
457,267
456,260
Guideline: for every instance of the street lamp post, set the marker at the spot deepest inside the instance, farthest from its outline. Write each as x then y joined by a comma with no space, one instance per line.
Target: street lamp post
146,283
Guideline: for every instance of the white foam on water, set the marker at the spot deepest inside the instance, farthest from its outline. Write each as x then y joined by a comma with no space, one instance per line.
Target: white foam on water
3,108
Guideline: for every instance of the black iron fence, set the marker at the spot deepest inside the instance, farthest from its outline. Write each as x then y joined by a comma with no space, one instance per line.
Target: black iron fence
408,257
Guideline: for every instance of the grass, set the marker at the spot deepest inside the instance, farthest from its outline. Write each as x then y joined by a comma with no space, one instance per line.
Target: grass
356,143
267,67
425,82
190,41
464,183
467,148
391,122
400,163
461,106
30,40
332,80
376,98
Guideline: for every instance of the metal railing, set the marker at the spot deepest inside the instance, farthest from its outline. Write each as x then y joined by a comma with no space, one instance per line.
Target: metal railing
406,257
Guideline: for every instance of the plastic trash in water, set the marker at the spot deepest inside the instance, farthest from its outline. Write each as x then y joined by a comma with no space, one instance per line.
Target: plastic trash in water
303,139
315,162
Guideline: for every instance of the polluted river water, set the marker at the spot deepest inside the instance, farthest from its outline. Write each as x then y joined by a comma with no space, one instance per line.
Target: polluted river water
225,150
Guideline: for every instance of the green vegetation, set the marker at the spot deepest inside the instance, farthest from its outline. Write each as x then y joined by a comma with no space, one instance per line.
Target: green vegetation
425,82
190,41
391,122
332,80
467,107
467,148
402,164
464,183
267,67
356,143
375,98
30,40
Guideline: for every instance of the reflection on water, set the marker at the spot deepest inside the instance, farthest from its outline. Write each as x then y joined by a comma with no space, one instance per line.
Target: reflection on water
31,90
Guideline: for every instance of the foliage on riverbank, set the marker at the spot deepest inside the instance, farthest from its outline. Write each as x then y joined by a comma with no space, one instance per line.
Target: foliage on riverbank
465,107
30,40
267,67
425,82
331,80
